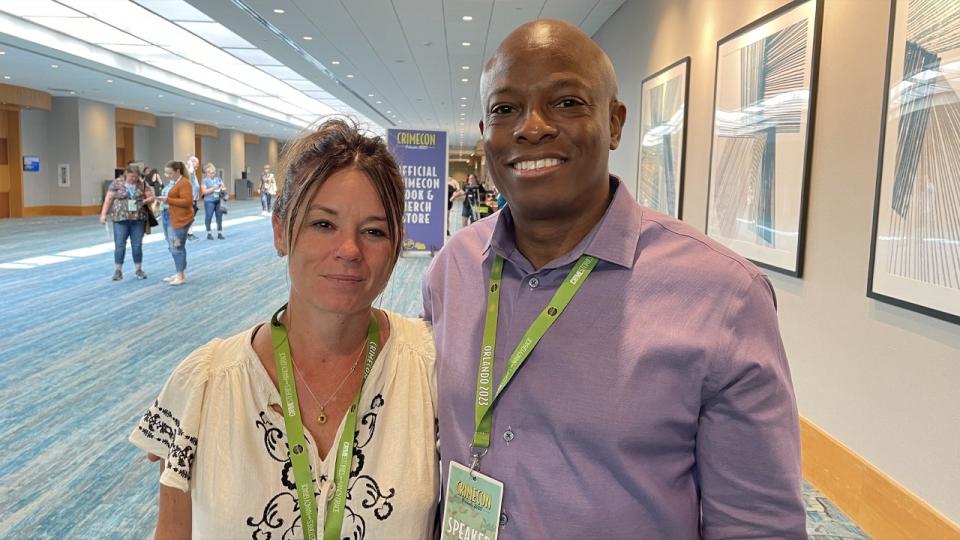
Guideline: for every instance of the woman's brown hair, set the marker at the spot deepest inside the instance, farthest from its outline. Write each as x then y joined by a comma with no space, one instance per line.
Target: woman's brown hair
307,162
177,166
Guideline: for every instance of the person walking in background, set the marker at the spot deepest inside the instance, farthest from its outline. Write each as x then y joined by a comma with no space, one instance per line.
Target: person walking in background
180,202
125,202
268,188
165,210
474,194
193,165
211,189
452,188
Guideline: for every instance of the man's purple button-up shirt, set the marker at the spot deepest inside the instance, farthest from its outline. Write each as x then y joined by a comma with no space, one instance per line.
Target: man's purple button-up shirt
659,405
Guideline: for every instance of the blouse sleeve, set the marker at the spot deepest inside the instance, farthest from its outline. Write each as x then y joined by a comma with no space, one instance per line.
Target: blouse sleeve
170,427
422,345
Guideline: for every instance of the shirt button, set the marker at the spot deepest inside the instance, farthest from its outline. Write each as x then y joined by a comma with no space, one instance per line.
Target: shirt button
508,435
534,283
504,518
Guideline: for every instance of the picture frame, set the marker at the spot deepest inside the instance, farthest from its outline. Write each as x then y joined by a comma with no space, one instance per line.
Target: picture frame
915,240
664,99
765,93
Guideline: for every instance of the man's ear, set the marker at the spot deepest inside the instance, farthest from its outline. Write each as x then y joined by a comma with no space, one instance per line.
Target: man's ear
618,115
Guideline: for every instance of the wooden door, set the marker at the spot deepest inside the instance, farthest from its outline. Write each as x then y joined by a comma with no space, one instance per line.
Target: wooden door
4,165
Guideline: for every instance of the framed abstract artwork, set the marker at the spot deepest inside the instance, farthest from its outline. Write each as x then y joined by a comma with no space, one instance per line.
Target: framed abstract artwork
915,249
764,103
663,138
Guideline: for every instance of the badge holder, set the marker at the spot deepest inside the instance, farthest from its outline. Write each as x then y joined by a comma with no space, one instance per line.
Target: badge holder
472,502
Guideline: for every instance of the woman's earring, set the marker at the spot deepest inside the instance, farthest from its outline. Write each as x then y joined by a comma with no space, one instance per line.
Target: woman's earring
279,253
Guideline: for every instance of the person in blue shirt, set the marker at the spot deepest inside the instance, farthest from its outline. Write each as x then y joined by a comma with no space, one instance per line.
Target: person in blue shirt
213,189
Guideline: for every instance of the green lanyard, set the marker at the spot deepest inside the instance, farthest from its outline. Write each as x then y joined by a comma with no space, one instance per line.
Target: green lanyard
485,396
297,443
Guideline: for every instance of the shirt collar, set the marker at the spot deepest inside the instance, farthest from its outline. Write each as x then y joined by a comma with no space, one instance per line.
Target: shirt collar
613,239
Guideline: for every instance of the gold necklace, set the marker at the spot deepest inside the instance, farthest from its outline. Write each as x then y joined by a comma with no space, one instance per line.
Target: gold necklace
322,417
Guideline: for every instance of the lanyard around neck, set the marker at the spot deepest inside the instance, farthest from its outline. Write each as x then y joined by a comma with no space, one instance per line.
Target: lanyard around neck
485,396
296,440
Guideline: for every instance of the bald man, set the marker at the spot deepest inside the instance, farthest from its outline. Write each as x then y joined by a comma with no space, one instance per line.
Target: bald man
621,374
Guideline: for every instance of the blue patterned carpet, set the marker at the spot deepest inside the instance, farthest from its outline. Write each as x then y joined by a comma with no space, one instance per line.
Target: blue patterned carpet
83,356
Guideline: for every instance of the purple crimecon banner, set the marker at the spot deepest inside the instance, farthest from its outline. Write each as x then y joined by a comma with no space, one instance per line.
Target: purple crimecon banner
422,156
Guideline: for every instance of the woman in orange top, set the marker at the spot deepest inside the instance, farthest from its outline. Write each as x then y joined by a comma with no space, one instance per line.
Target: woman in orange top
180,201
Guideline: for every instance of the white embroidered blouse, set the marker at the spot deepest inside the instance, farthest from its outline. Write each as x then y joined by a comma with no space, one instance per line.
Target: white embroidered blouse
226,445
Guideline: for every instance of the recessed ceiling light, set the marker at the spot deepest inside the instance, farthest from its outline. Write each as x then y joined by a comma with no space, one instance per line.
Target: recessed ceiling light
388,112
335,62
465,68
467,18
464,80
159,95
463,98
369,95
349,75
192,103
3,52
146,108
279,11
307,38
463,104
465,43
54,66
110,81
7,77
379,102
72,92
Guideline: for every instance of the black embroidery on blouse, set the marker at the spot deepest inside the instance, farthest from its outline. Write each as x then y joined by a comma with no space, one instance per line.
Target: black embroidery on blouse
272,521
363,488
161,425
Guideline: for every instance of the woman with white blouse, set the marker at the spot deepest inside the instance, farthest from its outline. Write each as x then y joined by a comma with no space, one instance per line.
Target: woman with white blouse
350,448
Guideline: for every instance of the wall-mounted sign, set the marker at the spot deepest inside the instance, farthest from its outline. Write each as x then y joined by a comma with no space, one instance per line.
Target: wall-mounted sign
31,163
63,175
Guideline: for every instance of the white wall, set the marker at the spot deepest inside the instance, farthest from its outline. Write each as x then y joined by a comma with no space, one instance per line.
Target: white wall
63,134
184,140
226,151
237,156
273,157
141,143
880,379
161,142
37,186
258,155
98,149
